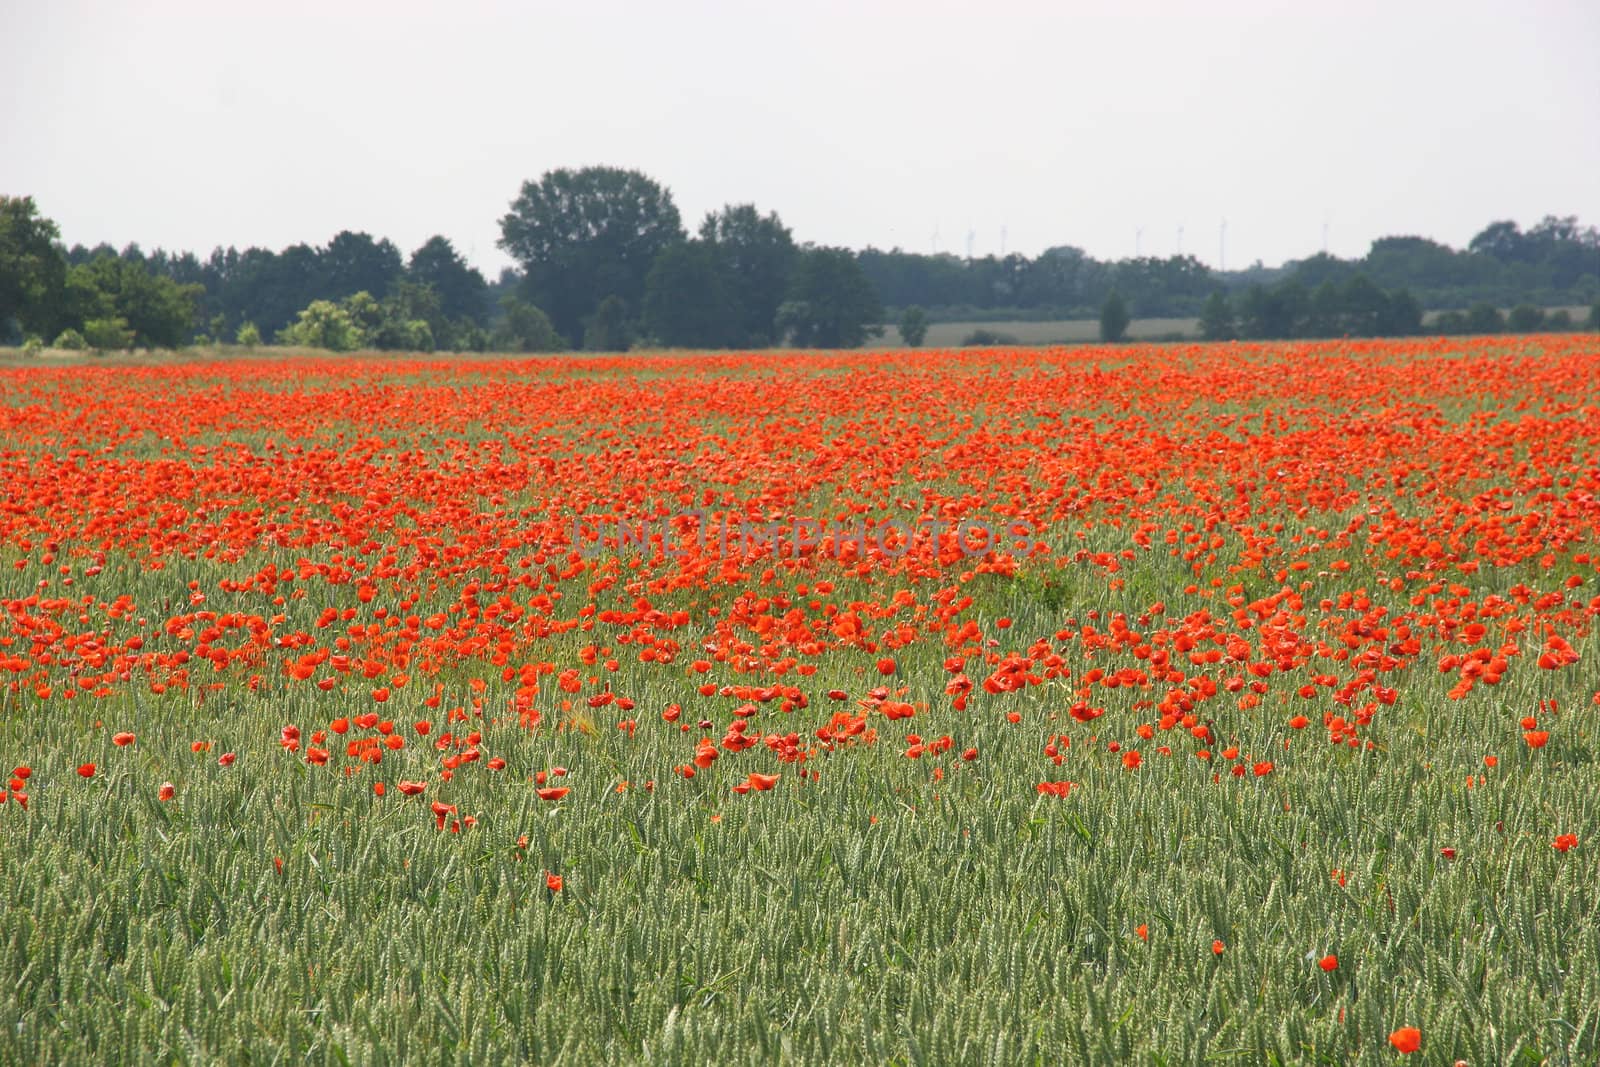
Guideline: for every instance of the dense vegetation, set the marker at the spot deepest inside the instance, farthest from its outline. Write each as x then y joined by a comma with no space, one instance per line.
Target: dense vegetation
604,262
1555,263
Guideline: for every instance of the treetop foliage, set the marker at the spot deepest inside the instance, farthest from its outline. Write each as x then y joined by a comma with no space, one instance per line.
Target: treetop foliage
605,262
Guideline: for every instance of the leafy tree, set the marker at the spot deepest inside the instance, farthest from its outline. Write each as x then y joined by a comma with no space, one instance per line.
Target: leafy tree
756,254
354,263
524,328
69,340
1216,318
1363,307
1484,317
466,337
913,326
248,335
609,329
584,235
904,278
831,304
1525,318
1279,311
365,314
1501,240
685,301
1402,316
1322,268
398,322
33,272
158,310
409,314
1114,318
1172,284
1327,317
324,324
461,288
1558,321
268,288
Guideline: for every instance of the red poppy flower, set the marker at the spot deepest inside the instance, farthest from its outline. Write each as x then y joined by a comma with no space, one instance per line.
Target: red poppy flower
1407,1039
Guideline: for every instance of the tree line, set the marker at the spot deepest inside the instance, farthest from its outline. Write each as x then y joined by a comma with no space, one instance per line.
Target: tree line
1555,263
604,262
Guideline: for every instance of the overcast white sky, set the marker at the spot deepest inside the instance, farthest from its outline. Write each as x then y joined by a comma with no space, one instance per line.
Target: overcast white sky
193,124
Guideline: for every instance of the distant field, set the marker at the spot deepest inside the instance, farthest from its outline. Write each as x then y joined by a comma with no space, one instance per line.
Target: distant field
1075,331
1064,331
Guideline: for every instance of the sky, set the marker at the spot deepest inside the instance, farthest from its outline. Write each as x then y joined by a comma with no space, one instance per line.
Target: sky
1121,128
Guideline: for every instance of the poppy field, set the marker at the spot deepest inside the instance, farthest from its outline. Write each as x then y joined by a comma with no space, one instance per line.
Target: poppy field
1156,704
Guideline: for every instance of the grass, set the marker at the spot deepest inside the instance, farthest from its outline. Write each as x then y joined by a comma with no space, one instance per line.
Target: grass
870,907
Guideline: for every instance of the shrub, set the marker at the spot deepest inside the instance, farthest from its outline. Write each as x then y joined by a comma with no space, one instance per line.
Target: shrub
248,336
985,338
1114,318
1525,318
324,324
1485,318
108,334
70,340
913,326
524,328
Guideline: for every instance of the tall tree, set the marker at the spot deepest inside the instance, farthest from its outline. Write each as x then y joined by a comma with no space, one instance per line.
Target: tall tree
1216,318
756,253
1114,318
913,326
584,235
460,287
354,263
1503,240
686,301
609,329
1365,307
831,303
158,311
32,270
270,288
1280,311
